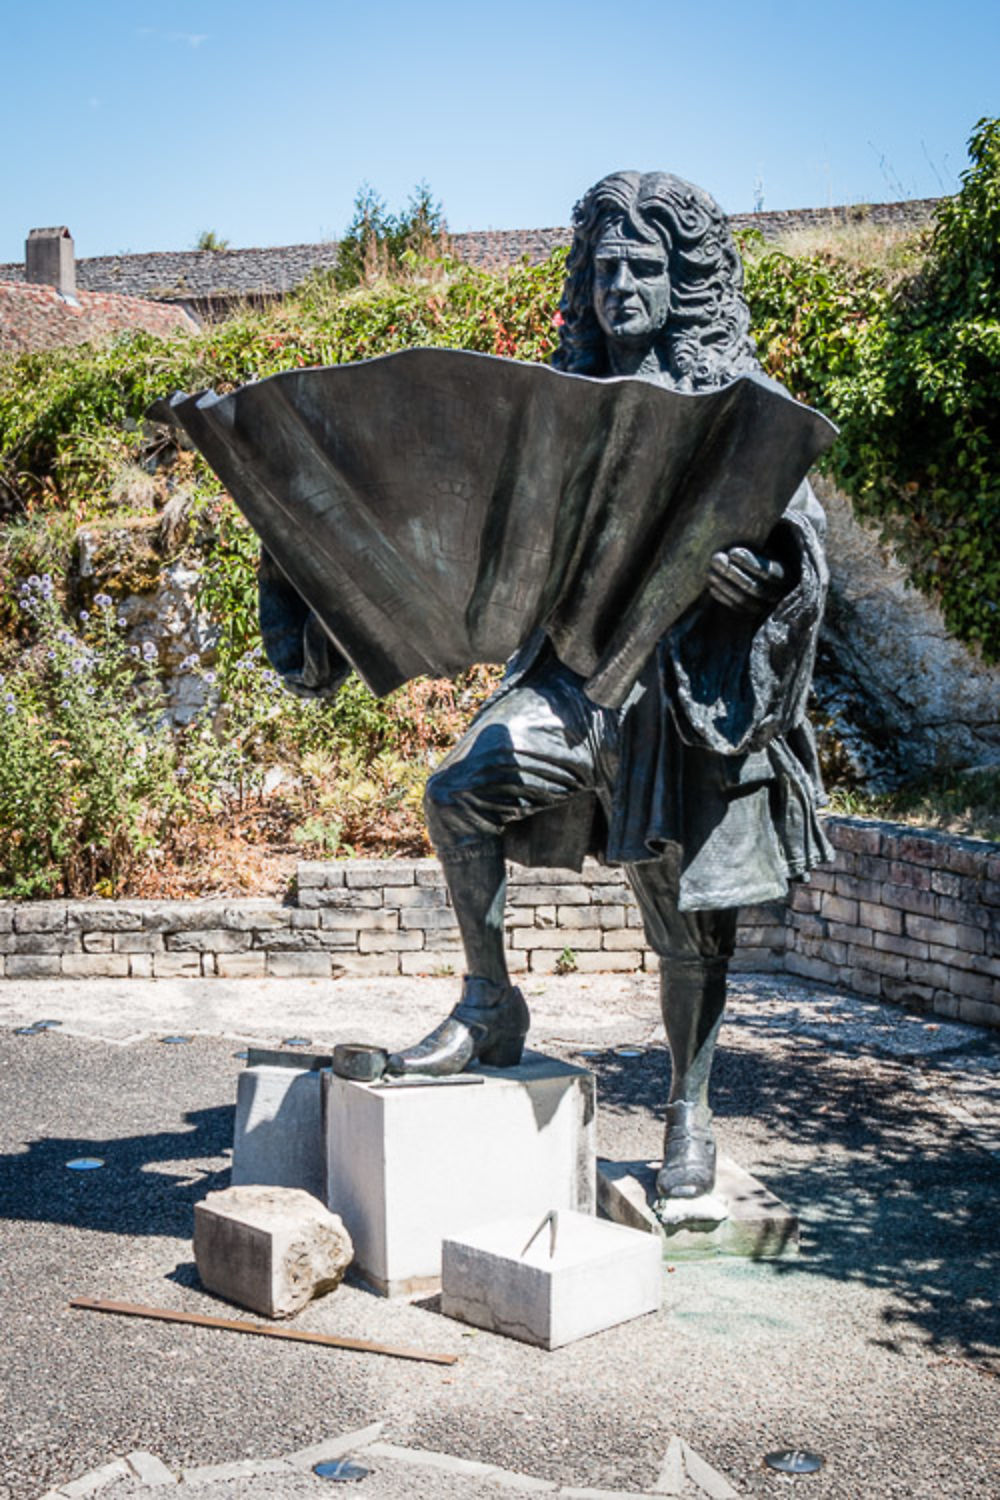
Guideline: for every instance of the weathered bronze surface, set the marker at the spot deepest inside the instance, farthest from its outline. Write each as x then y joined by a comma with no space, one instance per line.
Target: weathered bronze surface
434,507
638,530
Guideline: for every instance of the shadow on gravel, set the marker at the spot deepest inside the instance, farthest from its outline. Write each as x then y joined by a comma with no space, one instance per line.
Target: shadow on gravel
890,1190
129,1194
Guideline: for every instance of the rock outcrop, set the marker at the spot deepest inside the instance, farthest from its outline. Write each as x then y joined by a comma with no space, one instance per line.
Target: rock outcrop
903,697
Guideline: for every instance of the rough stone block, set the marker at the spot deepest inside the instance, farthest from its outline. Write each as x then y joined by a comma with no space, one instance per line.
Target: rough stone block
208,940
553,937
840,909
95,966
318,874
947,934
348,899
272,1249
41,916
367,963
595,1276
240,965
32,965
98,942
133,942
140,966
542,895
410,1165
176,965
390,942
299,965
278,1138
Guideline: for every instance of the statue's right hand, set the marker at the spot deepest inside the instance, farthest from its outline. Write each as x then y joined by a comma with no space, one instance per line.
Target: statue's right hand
745,580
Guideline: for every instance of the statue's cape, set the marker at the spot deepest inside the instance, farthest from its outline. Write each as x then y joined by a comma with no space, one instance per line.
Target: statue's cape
434,507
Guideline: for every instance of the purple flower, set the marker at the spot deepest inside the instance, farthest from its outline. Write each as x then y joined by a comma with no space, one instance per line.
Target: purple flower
209,676
148,651
84,616
103,601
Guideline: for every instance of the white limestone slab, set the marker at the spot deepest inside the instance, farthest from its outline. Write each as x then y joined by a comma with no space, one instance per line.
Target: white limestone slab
278,1140
598,1274
410,1165
740,1217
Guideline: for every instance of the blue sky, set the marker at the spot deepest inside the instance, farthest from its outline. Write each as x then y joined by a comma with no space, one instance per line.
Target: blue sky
141,125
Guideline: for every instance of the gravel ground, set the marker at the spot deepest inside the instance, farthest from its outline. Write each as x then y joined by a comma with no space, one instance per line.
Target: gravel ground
879,1347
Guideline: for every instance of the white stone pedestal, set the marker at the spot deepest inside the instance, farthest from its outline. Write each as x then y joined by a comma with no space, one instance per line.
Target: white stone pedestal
598,1274
410,1165
278,1139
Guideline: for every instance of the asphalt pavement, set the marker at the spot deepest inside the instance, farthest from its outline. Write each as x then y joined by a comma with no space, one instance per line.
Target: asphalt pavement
878,1348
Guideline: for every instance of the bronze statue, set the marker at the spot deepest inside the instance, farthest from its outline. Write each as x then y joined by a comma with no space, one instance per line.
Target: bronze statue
704,784
639,528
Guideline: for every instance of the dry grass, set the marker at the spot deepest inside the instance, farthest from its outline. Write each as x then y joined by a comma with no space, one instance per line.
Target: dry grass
896,249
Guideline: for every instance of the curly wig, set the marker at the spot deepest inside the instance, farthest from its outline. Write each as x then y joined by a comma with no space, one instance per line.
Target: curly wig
706,341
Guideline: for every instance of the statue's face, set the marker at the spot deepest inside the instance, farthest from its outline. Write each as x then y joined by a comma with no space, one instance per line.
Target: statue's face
631,285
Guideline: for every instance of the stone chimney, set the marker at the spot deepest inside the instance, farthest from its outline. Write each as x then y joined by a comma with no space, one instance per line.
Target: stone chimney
49,259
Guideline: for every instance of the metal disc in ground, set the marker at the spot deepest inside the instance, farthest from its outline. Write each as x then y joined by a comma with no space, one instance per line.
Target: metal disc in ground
85,1163
46,1025
341,1470
630,1051
174,1041
27,1030
794,1461
296,1041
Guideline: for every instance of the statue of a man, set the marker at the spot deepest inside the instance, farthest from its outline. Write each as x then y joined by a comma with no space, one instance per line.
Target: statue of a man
704,784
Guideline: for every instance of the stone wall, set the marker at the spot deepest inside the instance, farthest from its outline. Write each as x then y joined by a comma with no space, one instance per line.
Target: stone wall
201,276
902,915
906,915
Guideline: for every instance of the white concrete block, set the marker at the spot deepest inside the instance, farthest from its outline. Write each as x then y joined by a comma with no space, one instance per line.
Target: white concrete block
269,1248
148,1469
278,1140
410,1165
598,1274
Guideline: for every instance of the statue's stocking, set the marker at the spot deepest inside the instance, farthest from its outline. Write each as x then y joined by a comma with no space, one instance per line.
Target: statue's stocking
693,997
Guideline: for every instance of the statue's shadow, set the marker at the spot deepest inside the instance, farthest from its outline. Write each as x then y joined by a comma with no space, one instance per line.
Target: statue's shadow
891,1191
147,1185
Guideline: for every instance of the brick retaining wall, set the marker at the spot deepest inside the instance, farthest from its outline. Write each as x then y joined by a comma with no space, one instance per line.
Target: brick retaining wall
902,914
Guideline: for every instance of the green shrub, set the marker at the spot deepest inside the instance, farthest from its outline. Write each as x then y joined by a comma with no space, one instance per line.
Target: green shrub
912,375
87,781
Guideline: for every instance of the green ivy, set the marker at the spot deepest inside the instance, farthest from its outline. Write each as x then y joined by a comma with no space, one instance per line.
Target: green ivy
912,375
908,367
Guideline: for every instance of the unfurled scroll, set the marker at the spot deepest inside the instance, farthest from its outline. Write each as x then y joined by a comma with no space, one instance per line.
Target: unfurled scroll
432,508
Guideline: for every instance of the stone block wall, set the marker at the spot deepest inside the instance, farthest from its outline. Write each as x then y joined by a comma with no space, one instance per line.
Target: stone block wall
902,915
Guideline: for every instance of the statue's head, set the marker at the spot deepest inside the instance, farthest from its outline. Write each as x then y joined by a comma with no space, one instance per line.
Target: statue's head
653,264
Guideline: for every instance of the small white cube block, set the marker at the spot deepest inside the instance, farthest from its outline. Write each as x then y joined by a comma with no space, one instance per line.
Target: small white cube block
600,1274
278,1139
409,1165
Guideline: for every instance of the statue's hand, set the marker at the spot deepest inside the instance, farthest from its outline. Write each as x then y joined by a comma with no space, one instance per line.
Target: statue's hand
745,580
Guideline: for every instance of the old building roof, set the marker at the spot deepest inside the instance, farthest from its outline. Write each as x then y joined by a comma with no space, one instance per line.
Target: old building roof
34,317
199,276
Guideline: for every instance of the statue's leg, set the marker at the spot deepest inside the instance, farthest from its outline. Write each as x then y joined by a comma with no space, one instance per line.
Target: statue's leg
529,749
694,949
